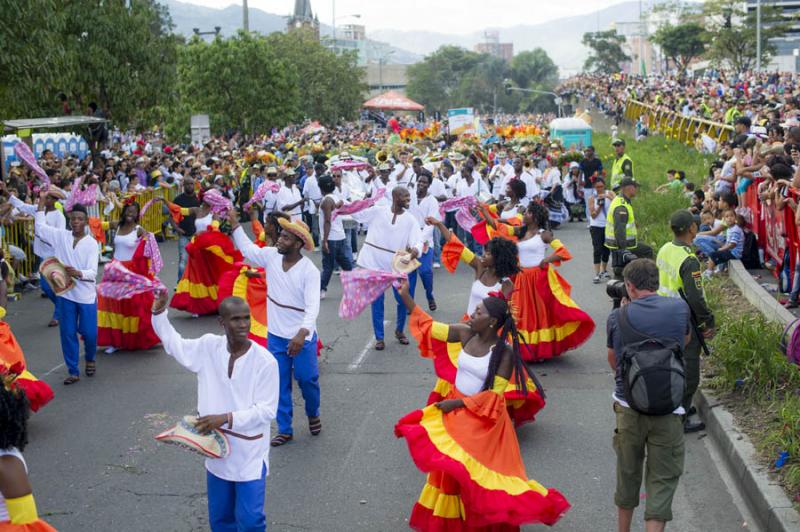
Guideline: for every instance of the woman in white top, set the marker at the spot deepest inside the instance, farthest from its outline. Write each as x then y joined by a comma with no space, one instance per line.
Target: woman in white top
599,200
549,321
515,202
125,323
472,425
17,506
493,270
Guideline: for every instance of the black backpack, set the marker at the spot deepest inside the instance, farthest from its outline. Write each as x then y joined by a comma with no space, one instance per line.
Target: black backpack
652,370
750,258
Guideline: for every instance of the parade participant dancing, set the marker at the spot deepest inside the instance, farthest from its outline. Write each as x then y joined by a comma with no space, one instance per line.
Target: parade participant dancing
424,206
550,322
292,307
237,392
210,254
125,323
468,438
17,507
391,229
77,307
334,239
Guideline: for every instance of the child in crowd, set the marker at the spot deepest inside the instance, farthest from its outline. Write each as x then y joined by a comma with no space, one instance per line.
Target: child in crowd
676,179
706,221
734,243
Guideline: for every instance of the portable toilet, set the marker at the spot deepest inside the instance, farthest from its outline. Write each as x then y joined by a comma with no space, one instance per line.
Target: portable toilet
572,132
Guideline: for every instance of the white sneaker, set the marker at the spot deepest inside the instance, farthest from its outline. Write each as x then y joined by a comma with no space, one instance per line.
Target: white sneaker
597,279
605,275
437,265
195,315
110,350
323,294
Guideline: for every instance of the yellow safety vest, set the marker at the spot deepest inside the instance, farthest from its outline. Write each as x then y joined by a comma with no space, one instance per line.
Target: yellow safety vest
630,228
616,170
669,261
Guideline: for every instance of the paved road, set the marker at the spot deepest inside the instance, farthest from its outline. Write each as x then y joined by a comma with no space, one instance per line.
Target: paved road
95,466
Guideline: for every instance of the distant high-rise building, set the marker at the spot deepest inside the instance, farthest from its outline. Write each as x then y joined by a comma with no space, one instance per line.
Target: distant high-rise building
303,19
787,46
493,46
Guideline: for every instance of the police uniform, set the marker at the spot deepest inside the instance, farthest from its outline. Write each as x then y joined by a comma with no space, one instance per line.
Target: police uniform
622,167
621,233
680,275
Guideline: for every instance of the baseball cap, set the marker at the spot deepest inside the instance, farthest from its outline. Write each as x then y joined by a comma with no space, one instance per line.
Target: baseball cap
627,181
681,220
617,141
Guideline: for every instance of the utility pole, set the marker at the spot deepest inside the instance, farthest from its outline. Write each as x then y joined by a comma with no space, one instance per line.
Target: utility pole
641,40
334,25
758,35
245,17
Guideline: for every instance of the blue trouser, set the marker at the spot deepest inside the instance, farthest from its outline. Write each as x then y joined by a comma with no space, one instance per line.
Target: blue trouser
437,245
377,314
77,318
425,271
236,506
48,291
707,244
306,373
183,255
337,254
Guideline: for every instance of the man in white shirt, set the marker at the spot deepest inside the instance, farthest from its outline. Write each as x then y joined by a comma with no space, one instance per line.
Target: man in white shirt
77,307
391,229
532,189
424,206
237,394
403,174
313,197
289,198
41,248
292,307
499,174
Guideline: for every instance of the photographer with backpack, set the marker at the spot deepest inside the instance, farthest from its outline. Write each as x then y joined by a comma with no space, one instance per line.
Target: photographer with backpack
646,339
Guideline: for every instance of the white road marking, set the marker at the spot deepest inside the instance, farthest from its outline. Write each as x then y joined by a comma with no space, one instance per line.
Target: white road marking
54,369
363,354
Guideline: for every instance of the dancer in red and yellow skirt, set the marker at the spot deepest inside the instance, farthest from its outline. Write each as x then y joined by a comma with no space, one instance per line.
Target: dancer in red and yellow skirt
467,443
549,321
211,253
125,323
249,284
12,361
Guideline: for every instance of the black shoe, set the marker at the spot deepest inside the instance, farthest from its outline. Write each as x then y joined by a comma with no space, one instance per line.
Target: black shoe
692,411
689,427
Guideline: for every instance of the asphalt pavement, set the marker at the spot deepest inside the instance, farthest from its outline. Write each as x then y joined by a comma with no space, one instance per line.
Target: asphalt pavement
95,466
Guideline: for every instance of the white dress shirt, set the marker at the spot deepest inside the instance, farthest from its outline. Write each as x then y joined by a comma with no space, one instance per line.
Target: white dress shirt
298,288
424,208
54,219
312,192
288,196
82,257
250,395
387,234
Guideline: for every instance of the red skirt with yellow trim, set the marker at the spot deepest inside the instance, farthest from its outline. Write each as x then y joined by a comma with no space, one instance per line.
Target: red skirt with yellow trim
249,284
39,393
476,477
210,254
549,321
40,525
125,323
523,405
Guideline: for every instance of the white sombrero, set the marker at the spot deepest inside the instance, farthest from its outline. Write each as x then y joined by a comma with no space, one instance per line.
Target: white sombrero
185,434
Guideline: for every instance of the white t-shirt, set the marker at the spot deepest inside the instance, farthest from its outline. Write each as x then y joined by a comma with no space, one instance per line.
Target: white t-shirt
387,234
287,196
312,192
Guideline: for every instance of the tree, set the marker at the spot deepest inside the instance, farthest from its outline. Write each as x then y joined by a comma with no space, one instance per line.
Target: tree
533,69
241,82
681,43
606,51
734,33
435,81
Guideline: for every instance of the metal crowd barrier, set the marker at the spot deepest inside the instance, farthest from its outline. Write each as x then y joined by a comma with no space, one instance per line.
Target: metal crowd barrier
674,125
20,232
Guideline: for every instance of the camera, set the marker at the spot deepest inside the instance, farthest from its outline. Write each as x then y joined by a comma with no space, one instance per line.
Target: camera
616,291
619,259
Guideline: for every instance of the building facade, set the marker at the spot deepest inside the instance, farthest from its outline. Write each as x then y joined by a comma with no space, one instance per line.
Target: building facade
303,19
788,45
491,45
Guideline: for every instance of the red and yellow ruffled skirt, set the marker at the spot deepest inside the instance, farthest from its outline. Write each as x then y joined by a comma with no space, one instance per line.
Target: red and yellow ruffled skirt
476,477
39,393
549,321
125,323
210,254
34,526
249,284
432,339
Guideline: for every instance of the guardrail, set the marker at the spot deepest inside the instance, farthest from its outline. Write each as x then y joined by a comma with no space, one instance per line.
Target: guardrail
20,232
674,125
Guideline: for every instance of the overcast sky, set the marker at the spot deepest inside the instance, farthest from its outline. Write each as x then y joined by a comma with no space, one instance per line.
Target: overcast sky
445,16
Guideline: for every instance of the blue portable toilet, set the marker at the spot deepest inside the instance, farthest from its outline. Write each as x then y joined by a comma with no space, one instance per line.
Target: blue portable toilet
572,132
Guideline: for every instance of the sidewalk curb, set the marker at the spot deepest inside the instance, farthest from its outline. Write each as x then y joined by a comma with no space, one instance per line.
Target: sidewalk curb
769,504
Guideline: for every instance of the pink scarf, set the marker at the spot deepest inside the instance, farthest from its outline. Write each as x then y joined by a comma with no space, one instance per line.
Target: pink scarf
359,205
24,152
361,287
219,204
77,196
152,252
147,206
121,283
463,207
261,193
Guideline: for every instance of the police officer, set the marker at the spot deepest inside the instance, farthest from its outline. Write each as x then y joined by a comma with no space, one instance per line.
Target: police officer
623,164
680,275
621,231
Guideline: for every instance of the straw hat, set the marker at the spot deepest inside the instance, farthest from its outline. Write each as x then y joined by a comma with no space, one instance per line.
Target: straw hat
300,230
403,263
56,274
185,434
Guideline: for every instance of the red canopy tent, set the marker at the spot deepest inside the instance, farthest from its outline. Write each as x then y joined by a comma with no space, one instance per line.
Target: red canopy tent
392,101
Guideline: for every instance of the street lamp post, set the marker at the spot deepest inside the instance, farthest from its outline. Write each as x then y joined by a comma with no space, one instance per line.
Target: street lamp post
334,19
758,35
245,17
556,98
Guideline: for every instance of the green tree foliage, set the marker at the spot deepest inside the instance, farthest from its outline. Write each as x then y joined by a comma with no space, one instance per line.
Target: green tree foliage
454,77
681,43
606,51
734,33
